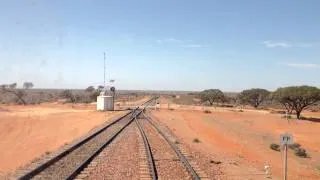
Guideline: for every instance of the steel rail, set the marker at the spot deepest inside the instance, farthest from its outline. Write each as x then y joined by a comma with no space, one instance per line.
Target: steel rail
182,158
149,152
85,163
66,152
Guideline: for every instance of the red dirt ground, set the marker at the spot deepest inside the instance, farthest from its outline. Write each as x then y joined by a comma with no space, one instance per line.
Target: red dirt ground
241,140
26,132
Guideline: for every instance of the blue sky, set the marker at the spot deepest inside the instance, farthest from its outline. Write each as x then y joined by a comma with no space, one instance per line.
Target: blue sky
161,45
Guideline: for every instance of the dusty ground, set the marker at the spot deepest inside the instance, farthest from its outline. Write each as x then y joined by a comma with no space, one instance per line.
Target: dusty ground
26,132
241,140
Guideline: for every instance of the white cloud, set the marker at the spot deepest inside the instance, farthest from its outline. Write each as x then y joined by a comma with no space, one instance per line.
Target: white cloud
303,65
284,44
272,44
169,40
193,46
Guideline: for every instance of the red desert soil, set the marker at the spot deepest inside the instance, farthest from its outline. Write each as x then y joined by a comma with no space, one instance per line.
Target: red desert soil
241,140
26,132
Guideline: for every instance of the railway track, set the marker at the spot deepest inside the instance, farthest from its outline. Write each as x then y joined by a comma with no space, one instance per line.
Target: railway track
150,156
69,163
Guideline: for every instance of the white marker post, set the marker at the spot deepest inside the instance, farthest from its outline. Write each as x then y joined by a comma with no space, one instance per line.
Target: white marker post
285,140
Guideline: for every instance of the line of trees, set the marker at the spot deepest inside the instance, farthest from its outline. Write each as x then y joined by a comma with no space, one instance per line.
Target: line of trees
292,98
18,93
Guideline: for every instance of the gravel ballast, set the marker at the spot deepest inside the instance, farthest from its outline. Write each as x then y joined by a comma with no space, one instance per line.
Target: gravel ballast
167,163
62,168
120,160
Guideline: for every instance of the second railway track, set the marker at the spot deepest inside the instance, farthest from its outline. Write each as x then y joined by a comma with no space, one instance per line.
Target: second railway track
164,158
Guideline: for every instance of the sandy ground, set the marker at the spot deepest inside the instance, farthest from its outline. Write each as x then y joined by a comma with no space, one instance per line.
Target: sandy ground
26,132
241,140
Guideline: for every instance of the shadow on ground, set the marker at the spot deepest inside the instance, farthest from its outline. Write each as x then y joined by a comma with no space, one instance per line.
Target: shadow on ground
317,120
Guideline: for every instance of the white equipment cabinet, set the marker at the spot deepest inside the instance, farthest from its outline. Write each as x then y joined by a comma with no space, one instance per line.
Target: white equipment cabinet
105,103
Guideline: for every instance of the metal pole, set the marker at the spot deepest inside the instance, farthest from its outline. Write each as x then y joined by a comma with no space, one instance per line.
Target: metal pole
285,161
104,69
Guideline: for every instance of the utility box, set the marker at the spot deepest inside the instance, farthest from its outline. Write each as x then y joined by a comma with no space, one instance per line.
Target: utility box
105,103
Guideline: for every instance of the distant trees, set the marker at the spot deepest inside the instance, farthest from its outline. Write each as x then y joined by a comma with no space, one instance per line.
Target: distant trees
90,89
27,85
212,96
297,98
253,97
100,88
13,86
11,89
67,94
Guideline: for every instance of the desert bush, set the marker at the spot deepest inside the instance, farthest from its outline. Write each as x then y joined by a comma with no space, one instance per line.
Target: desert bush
226,105
196,140
294,146
207,111
277,112
171,109
215,162
275,147
94,95
65,94
287,116
300,152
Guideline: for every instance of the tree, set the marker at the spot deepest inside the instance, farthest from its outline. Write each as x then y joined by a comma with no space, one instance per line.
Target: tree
67,94
2,86
212,96
297,98
100,88
253,97
90,89
12,90
27,85
20,96
13,86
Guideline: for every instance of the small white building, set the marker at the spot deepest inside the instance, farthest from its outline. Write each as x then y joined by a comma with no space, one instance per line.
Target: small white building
105,103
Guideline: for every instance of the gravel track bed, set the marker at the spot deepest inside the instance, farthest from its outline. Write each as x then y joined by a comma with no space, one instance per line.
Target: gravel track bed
167,163
65,166
210,164
119,160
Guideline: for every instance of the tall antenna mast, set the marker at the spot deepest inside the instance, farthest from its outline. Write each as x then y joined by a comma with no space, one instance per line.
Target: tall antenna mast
104,69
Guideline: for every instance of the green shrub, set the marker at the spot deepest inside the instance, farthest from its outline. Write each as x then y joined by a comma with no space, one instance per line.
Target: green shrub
300,152
275,147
